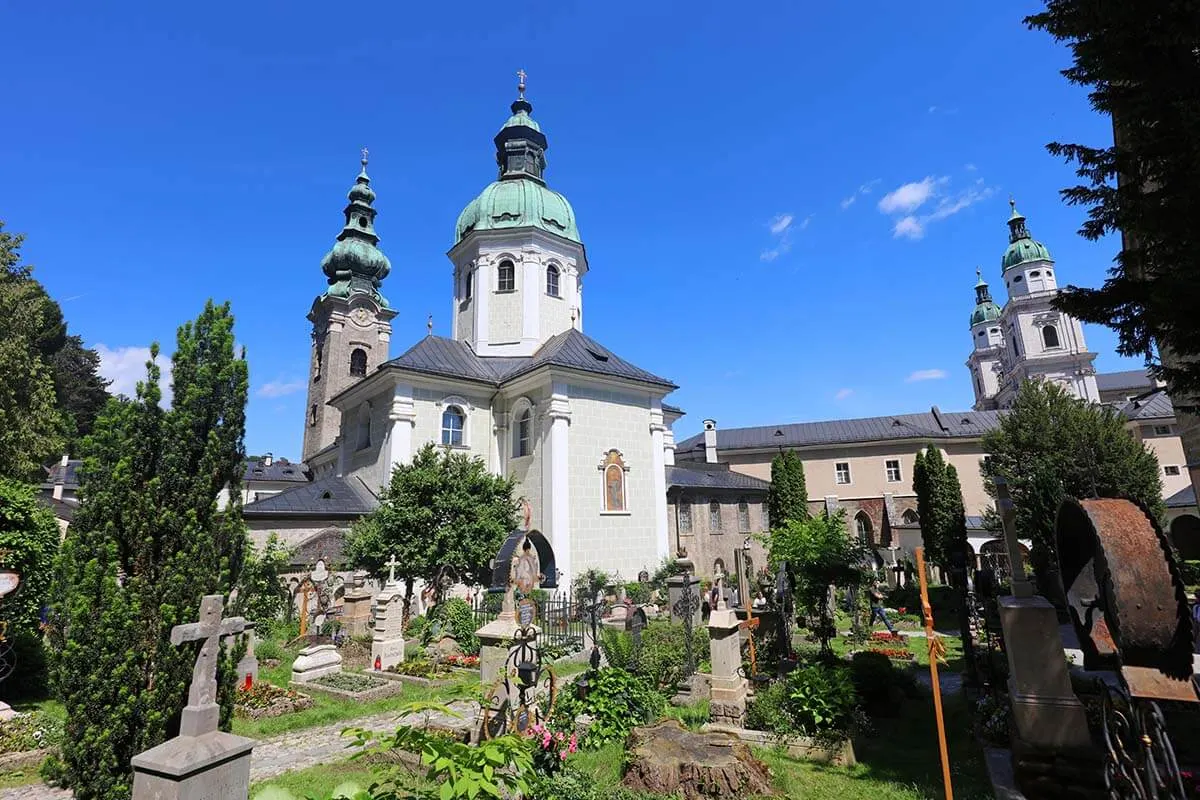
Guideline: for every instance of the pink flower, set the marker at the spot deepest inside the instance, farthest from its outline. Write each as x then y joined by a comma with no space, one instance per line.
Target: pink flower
562,755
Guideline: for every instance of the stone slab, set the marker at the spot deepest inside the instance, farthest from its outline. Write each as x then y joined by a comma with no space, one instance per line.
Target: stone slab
215,766
315,661
800,747
388,652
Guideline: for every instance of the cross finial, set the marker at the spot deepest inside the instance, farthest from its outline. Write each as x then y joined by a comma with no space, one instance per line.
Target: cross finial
1012,203
391,564
429,324
365,153
520,84
979,273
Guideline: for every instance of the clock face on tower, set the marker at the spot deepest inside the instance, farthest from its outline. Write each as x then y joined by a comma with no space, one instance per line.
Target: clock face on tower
360,316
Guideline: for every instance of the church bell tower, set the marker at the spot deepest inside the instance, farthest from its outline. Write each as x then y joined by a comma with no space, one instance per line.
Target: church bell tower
351,320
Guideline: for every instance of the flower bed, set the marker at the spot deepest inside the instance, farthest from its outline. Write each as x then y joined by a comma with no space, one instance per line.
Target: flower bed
349,681
26,732
264,700
461,662
885,636
424,668
352,685
898,653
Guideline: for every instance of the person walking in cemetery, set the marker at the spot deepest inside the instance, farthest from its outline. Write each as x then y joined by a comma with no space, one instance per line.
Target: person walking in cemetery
877,610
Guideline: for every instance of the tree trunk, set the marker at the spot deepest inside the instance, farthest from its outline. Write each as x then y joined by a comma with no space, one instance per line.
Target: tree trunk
667,759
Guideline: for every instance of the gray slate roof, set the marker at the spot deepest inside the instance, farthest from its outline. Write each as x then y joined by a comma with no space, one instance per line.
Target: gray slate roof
437,355
934,424
327,497
1153,406
1184,498
712,476
67,475
280,470
1128,379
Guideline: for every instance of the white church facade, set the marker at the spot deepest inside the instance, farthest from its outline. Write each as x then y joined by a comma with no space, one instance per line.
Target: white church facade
518,384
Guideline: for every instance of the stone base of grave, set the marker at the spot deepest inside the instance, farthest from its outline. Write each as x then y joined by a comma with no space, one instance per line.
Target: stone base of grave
1055,776
315,661
668,759
213,765
1047,715
356,612
731,712
386,652
494,639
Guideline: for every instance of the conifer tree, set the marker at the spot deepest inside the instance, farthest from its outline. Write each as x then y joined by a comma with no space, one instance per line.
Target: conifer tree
148,542
939,506
787,499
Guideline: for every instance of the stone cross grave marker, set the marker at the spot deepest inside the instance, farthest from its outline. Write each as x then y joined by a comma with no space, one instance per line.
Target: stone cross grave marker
391,564
202,714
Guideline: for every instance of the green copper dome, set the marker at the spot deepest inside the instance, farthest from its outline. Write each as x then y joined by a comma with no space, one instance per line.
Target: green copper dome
1022,247
985,309
519,198
356,264
520,203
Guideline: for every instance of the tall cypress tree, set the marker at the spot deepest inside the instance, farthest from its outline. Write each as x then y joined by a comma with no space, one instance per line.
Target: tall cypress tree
147,544
787,499
939,505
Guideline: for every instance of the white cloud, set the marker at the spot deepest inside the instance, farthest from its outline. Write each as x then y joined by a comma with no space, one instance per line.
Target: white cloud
780,223
926,375
908,228
969,167
911,196
781,227
280,388
125,366
861,191
842,394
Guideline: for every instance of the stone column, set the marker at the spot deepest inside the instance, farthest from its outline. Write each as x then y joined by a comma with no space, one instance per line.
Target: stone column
484,269
662,542
729,688
556,502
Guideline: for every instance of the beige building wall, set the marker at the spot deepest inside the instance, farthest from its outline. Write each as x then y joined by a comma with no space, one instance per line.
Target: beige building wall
704,543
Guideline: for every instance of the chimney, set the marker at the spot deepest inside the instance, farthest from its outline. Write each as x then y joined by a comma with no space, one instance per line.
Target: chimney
267,460
710,441
60,477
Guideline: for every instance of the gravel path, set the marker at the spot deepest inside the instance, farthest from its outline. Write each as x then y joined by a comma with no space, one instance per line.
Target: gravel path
301,749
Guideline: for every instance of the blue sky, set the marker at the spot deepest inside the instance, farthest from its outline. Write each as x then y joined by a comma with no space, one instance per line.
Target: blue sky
783,203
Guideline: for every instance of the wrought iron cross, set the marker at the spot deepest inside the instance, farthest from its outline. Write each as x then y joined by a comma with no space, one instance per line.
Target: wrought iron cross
202,713
685,607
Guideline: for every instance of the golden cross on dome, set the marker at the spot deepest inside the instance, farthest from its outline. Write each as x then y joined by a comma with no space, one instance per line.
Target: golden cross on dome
521,84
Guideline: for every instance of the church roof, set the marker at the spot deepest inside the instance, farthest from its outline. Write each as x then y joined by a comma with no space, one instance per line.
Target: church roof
1153,406
1184,498
280,469
934,424
327,497
697,475
437,355
1128,379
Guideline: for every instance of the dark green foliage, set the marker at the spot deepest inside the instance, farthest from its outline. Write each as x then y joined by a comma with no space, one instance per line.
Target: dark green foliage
1190,572
79,389
667,569
261,596
147,543
444,510
663,655
1051,445
881,688
787,499
1139,65
939,506
819,553
29,539
586,584
618,701
453,618
816,699
637,592
572,784
416,627
33,731
617,647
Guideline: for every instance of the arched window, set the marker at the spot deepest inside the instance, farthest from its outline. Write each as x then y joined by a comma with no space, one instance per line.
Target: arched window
364,426
506,277
312,415
469,285
613,470
453,421
862,526
714,516
317,360
743,516
685,515
552,280
909,517
358,362
1050,336
523,435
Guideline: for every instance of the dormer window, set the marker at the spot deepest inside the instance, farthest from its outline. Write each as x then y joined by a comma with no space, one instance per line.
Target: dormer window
552,281
506,277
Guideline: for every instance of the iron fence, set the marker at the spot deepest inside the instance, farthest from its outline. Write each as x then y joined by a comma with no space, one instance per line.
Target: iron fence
559,620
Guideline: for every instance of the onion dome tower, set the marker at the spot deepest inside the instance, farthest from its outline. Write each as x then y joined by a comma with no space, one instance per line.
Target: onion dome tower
351,319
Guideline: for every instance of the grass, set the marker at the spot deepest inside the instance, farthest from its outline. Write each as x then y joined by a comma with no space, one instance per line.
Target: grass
318,781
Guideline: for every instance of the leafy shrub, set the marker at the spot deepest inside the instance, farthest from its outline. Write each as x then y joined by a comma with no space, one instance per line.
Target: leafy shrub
617,646
268,650
30,732
420,668
454,618
572,784
1190,571
994,717
663,654
880,686
637,592
261,596
816,700
582,586
417,626
617,701
555,651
